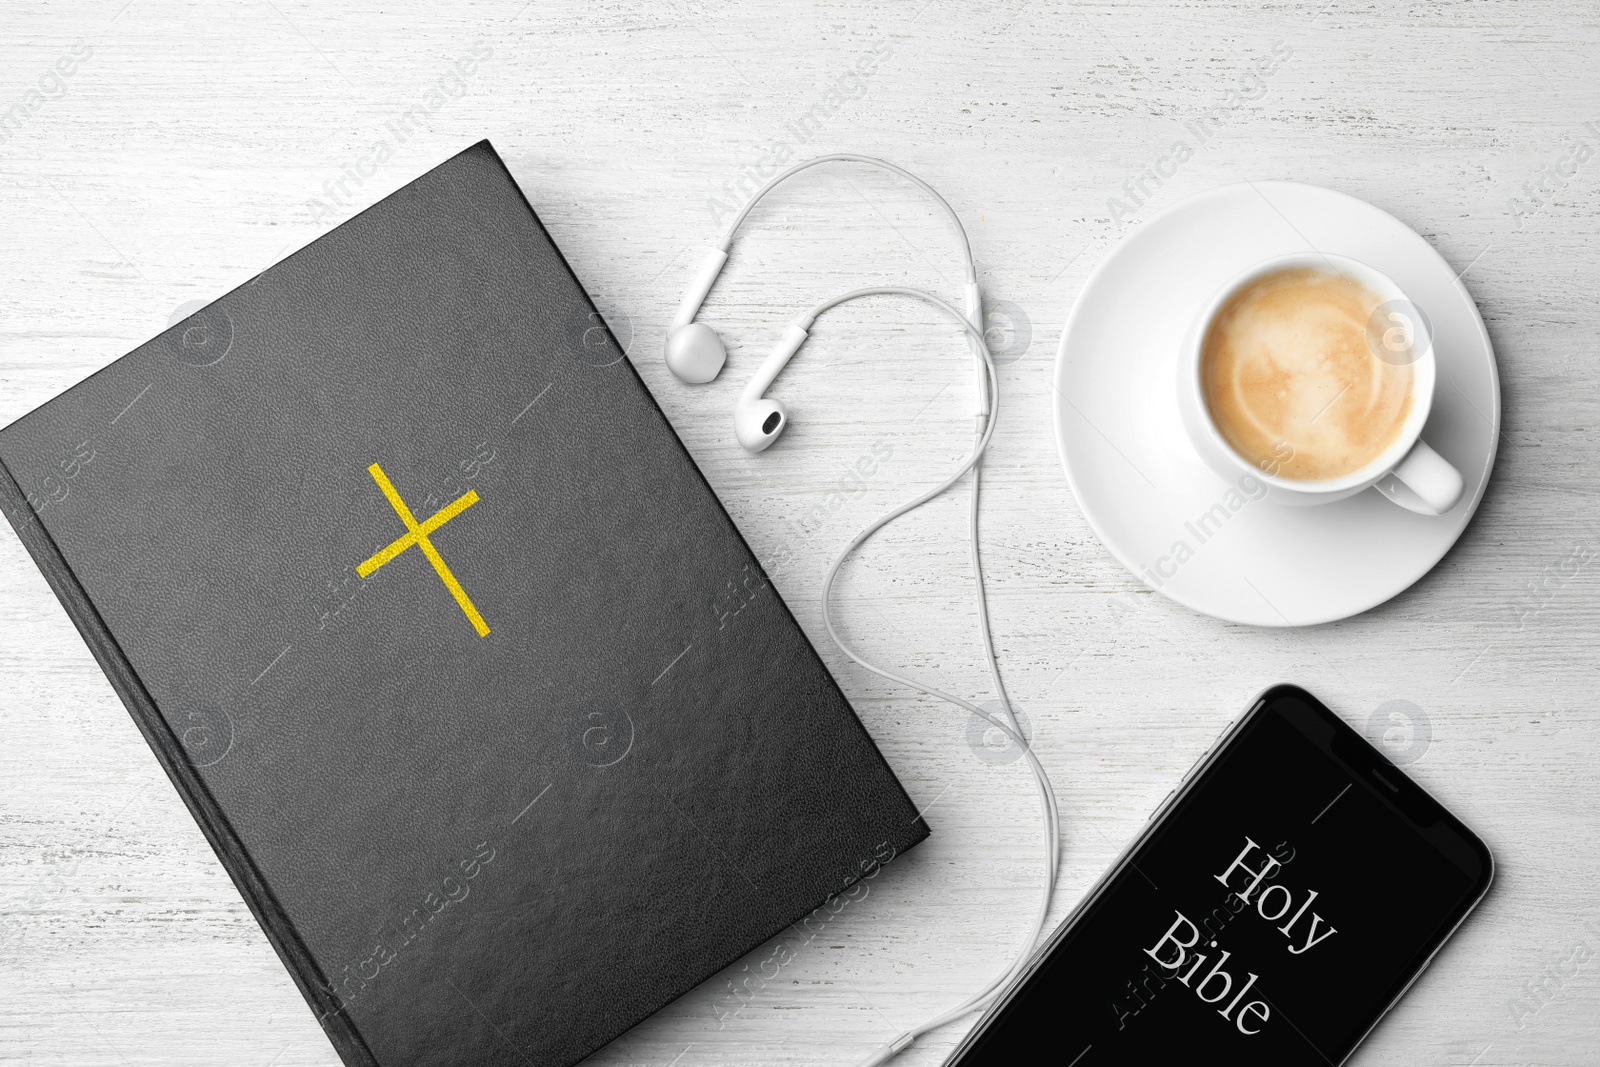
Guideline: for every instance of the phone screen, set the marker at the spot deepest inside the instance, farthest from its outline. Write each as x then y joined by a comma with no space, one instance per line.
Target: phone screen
1269,915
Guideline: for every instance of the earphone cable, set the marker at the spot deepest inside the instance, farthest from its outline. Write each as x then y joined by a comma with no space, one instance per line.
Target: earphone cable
984,626
1009,725
871,161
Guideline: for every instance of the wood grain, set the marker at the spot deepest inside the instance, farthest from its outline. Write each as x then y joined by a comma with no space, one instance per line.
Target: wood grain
199,142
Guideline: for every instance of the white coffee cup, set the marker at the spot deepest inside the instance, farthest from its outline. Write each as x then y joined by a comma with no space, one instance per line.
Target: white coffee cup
1435,485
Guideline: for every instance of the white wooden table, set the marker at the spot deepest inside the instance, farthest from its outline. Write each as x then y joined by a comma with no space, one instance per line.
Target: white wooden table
193,144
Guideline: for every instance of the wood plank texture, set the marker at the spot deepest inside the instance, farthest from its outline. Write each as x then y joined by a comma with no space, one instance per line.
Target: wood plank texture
195,143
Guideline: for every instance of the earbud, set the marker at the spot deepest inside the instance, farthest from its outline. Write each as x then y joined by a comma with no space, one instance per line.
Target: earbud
758,420
757,423
694,351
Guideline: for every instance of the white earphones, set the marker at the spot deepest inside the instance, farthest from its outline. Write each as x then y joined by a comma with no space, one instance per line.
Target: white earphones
696,353
758,420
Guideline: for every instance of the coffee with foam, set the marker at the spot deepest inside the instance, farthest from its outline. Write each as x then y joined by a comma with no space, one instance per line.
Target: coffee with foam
1291,382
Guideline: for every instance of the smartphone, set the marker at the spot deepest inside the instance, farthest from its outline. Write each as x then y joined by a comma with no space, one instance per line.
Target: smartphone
1277,904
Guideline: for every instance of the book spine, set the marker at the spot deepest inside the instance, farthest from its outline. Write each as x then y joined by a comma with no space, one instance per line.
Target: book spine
169,752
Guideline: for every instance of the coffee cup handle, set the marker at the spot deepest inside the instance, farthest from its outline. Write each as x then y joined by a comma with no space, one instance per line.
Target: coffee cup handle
1435,485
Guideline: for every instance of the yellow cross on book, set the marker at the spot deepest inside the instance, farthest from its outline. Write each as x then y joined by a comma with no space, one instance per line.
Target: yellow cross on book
417,534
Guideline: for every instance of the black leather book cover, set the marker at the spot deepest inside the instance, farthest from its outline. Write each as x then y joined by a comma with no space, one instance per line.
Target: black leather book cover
465,673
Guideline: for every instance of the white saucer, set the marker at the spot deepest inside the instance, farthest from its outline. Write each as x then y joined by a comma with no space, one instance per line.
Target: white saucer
1144,489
